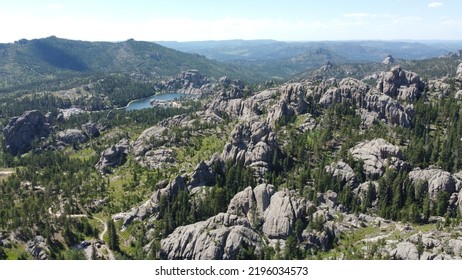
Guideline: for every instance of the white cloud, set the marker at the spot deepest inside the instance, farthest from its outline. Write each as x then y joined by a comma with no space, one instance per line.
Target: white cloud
435,5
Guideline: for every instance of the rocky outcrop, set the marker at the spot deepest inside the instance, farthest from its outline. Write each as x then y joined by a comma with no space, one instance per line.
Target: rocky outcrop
113,156
455,54
342,171
148,149
72,136
388,60
377,154
253,145
354,92
433,245
401,84
38,248
220,237
439,88
350,91
459,202
153,148
459,72
150,208
21,132
405,251
248,109
91,129
197,119
281,214
157,158
368,118
224,236
231,89
392,111
291,103
189,82
434,181
202,175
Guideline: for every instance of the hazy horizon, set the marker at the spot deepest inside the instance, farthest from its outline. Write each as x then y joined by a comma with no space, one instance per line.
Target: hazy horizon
206,20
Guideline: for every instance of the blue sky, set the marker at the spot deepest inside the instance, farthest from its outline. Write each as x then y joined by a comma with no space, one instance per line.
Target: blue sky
181,20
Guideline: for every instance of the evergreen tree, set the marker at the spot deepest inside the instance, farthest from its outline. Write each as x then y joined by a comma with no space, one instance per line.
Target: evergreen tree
113,239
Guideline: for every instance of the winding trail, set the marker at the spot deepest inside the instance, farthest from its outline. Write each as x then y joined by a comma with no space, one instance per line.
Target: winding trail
101,234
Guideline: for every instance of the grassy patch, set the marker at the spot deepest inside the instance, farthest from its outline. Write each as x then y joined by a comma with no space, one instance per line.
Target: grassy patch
17,252
83,154
5,173
201,148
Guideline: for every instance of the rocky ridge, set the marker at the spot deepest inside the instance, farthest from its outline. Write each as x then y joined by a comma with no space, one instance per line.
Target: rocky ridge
263,216
188,82
21,131
113,156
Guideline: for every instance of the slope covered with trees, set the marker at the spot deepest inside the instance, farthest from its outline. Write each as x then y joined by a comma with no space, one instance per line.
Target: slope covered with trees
347,162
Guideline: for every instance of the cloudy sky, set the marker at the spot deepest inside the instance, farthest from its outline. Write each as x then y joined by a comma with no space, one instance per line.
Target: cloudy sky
192,20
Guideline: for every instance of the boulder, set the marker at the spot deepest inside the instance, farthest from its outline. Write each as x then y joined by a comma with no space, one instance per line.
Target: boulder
91,129
113,156
242,203
72,136
377,154
149,150
342,171
21,132
405,251
456,54
225,235
435,180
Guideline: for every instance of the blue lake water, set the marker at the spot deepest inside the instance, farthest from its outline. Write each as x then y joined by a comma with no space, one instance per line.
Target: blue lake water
146,102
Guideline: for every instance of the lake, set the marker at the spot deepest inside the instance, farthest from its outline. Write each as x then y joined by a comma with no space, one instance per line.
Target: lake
145,103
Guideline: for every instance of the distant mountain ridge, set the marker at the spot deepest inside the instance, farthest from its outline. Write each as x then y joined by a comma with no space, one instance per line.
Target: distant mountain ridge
354,51
28,64
282,60
30,61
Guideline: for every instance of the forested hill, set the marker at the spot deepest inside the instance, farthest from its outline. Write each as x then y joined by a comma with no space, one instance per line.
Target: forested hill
52,58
